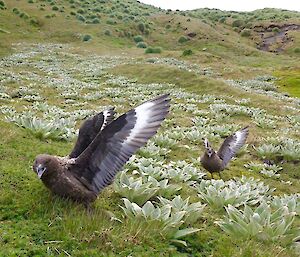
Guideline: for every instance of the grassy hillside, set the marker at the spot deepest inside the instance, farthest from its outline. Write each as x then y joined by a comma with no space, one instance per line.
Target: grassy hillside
63,61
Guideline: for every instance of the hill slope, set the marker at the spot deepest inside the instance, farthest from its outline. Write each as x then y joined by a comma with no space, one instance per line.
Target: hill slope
63,61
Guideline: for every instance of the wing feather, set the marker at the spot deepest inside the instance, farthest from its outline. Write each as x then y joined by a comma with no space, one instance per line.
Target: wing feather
232,144
89,130
112,148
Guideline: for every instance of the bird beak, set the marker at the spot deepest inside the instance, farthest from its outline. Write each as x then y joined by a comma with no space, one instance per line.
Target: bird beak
40,169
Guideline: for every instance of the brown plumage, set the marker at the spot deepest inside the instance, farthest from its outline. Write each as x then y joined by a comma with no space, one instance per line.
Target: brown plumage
103,146
214,161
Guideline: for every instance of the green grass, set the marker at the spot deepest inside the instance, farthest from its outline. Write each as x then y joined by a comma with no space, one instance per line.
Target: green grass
289,81
33,222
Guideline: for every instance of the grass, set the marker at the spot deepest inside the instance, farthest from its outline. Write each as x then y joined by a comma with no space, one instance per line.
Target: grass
289,81
33,222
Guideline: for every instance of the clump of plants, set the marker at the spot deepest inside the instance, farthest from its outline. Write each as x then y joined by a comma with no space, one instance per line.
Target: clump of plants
57,129
135,189
279,149
297,50
141,45
55,8
107,32
95,21
153,50
16,11
111,22
219,194
182,39
80,17
246,33
138,39
2,5
141,27
264,168
24,15
187,52
263,224
86,38
237,23
168,220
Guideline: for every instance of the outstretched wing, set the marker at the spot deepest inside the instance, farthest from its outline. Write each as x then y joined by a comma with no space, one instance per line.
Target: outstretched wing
232,144
89,130
112,148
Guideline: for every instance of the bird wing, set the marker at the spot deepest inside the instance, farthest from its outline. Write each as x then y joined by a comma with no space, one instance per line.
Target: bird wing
232,144
89,130
119,140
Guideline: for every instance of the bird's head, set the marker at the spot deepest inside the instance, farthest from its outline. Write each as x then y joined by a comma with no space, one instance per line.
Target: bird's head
42,164
209,151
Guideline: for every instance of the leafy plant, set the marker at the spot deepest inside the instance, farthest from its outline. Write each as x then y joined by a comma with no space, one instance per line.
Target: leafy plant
86,38
264,168
155,172
290,150
182,39
167,190
169,222
246,33
182,171
141,45
292,202
193,210
187,52
153,151
164,141
263,121
219,194
262,224
135,189
41,128
107,32
2,5
138,38
267,151
153,50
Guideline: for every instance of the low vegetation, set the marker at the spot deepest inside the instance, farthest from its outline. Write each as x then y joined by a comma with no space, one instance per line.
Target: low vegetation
79,58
